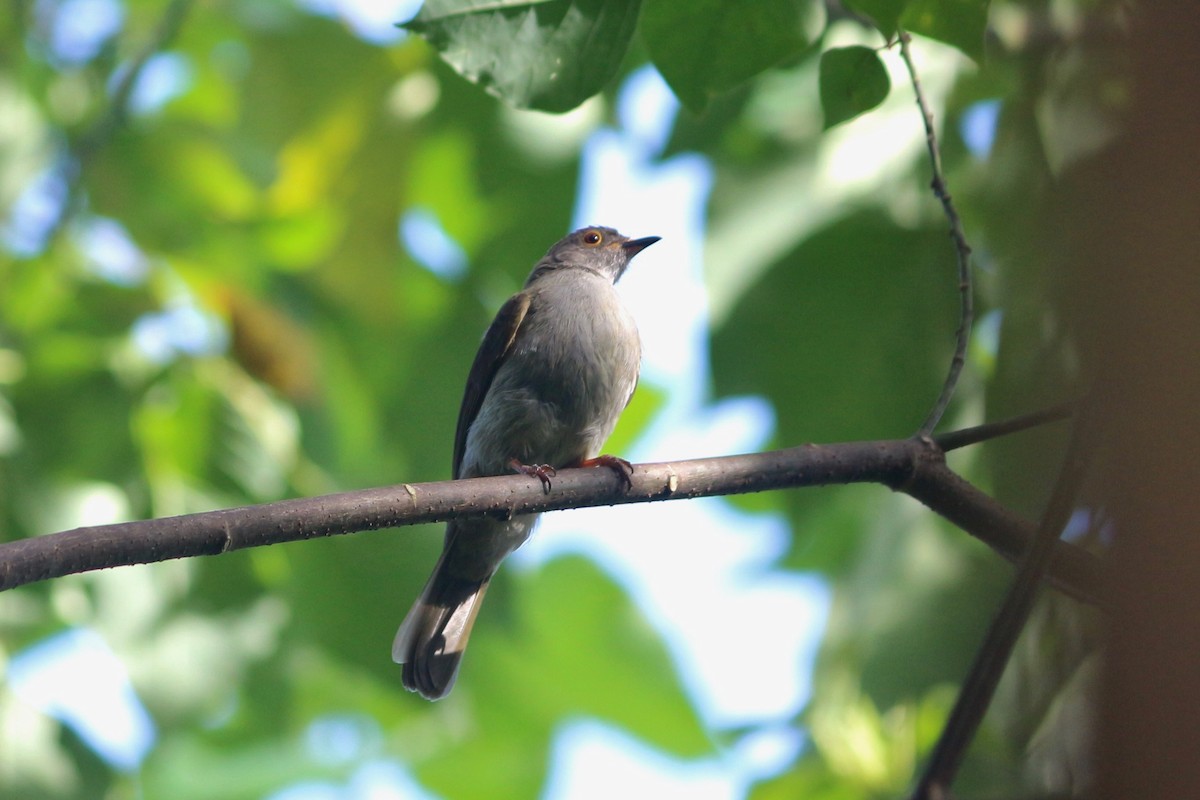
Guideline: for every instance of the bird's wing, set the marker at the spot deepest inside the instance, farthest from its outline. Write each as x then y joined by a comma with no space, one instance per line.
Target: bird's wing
496,344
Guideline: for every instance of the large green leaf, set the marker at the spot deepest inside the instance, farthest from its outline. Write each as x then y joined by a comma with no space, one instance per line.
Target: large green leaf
960,23
884,13
545,54
849,336
956,22
707,47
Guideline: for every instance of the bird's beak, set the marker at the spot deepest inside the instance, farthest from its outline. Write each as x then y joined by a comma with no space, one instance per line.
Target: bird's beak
635,246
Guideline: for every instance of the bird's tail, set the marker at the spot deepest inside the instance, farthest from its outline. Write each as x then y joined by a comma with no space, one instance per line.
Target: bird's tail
431,640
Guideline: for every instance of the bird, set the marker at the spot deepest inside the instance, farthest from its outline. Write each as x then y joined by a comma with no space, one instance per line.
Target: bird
554,371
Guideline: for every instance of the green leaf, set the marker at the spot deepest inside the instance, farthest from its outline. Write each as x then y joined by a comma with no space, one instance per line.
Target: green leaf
960,23
853,81
545,54
831,336
884,13
706,47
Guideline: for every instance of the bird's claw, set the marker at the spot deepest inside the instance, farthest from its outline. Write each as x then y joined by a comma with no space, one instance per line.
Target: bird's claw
543,472
618,465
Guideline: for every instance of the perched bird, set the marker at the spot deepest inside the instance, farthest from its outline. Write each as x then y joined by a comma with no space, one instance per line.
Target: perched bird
555,369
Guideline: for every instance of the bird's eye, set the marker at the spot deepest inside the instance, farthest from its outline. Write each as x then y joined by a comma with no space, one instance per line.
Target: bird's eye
592,237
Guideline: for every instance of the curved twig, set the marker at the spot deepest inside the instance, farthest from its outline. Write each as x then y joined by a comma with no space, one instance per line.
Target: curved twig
962,250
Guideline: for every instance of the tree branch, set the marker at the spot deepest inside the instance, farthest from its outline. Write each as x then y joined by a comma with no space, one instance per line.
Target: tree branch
977,690
916,467
962,250
994,430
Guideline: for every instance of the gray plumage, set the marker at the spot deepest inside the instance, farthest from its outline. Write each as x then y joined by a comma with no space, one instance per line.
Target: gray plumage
552,375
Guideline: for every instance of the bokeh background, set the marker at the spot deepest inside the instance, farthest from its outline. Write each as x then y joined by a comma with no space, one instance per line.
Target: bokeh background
247,250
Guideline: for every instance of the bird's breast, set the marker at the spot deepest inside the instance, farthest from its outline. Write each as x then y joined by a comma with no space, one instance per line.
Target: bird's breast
563,385
586,348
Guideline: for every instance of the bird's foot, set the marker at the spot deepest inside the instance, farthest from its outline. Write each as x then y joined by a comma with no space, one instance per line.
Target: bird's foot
620,466
543,472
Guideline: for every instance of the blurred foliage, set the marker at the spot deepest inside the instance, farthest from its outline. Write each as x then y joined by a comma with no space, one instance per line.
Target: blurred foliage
258,331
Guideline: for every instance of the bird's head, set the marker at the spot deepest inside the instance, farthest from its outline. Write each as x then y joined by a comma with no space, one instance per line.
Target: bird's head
601,250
